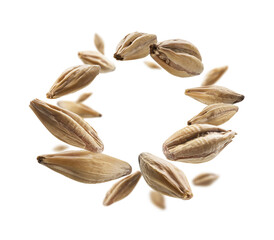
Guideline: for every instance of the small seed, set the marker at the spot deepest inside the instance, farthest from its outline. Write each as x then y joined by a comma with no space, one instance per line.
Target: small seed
152,65
73,79
96,58
67,126
214,94
99,43
205,179
164,177
122,188
214,75
60,148
80,109
215,114
178,57
134,46
197,143
157,199
83,97
86,167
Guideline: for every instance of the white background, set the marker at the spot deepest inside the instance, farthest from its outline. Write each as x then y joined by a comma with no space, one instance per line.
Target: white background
141,107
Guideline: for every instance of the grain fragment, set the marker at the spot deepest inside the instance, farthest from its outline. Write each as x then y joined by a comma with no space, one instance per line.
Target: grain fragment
152,65
96,58
80,109
214,75
60,148
99,43
157,199
205,179
83,97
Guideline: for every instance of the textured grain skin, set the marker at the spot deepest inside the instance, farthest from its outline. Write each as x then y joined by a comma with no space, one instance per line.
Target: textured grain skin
214,75
164,177
72,80
122,189
79,108
96,58
134,46
214,94
215,114
85,166
178,57
197,143
67,126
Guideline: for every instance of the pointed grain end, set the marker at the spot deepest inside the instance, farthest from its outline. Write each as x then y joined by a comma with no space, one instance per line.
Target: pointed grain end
80,54
40,159
118,57
50,95
129,170
105,203
241,98
188,195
